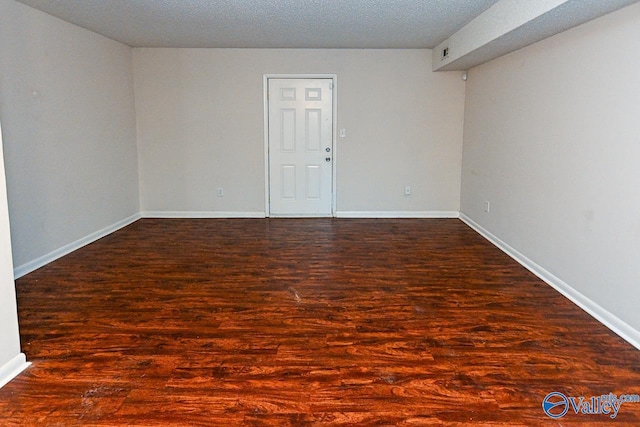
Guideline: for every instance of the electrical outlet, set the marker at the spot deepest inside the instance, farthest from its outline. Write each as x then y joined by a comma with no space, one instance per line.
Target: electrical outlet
220,192
487,206
407,190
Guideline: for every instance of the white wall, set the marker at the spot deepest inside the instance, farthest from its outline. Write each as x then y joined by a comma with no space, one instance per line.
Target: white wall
67,108
9,335
552,140
200,126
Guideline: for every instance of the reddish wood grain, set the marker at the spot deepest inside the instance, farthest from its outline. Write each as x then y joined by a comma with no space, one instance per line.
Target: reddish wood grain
303,322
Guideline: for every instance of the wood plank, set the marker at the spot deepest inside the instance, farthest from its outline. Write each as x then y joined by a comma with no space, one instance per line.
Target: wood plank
304,322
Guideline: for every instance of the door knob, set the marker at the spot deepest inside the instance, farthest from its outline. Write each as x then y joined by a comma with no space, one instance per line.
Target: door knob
328,159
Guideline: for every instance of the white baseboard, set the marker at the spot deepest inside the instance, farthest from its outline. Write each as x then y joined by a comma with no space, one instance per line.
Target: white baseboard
611,321
397,214
12,368
201,214
67,249
298,216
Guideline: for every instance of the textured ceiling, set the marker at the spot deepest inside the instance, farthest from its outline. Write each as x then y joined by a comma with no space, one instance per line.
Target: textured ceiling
269,23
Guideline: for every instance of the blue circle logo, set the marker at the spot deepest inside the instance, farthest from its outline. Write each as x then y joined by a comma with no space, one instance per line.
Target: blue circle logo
555,405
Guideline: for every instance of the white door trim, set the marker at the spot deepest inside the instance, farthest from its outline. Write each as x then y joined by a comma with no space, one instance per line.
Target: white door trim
265,90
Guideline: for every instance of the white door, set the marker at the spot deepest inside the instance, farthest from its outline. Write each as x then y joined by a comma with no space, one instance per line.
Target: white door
300,147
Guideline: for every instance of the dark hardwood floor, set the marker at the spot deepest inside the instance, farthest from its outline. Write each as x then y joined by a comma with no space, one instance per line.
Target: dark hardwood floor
304,322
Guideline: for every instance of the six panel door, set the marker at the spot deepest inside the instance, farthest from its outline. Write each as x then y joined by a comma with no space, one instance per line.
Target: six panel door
300,147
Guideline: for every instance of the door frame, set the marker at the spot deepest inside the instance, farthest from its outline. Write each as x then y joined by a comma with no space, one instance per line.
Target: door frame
334,127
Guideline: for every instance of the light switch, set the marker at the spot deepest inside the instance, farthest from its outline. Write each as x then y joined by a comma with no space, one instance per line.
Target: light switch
343,133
